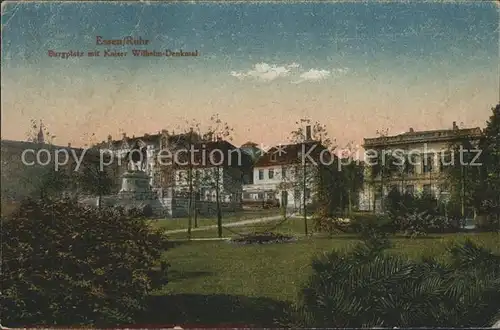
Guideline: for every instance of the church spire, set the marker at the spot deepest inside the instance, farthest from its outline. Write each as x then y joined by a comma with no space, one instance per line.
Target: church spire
40,137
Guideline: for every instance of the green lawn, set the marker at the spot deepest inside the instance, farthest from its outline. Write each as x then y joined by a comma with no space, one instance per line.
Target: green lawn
290,226
182,223
218,282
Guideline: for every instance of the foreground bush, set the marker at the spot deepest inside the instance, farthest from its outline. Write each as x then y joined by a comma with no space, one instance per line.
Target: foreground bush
422,214
67,264
368,287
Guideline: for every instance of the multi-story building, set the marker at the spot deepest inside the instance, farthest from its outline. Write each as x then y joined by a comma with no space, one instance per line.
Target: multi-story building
159,168
285,174
120,148
167,163
216,167
424,155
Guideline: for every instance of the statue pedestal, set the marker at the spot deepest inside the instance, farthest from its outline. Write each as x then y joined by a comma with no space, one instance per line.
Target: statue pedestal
135,184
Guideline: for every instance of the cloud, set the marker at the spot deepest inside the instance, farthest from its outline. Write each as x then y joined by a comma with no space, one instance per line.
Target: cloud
266,72
316,75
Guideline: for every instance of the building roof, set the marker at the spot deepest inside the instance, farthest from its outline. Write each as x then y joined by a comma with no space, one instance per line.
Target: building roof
214,153
127,141
442,135
290,154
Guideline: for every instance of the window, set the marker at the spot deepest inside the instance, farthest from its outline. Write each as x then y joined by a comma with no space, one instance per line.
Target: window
270,173
296,195
427,164
427,189
273,157
410,165
445,160
261,174
283,172
410,189
308,193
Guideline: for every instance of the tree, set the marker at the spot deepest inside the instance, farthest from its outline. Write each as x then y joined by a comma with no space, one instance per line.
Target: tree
383,166
313,180
64,263
187,140
218,131
490,146
94,180
46,180
353,174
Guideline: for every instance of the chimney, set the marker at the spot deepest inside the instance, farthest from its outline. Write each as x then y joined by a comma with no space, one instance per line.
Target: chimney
110,138
308,133
411,130
455,125
124,135
69,145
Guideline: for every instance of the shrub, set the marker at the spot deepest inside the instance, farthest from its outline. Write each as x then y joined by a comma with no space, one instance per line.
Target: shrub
324,222
488,222
147,211
364,223
68,264
420,215
367,287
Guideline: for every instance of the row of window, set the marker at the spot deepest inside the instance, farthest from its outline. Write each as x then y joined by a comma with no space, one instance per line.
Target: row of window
427,165
426,189
271,173
271,195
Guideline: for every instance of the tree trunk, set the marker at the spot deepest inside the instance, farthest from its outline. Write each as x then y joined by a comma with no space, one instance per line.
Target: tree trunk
190,201
304,200
195,213
382,190
217,204
462,193
350,201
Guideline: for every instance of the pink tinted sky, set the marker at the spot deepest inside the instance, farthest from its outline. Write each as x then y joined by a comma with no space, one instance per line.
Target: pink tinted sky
259,69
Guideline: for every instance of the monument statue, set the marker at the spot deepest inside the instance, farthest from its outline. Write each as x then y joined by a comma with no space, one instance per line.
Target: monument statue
137,158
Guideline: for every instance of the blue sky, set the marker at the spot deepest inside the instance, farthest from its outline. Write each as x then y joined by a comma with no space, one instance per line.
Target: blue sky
357,67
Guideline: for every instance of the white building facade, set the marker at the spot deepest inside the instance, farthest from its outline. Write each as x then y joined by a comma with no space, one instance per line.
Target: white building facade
281,176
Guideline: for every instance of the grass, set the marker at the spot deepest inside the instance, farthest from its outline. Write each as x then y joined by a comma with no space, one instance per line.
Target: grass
182,223
221,283
294,226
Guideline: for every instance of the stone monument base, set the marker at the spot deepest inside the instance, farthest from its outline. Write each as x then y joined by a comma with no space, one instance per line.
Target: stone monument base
135,185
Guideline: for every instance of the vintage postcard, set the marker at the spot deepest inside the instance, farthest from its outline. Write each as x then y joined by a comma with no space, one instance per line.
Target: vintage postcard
250,164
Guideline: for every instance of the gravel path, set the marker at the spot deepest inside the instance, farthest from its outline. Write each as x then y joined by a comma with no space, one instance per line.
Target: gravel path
231,224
